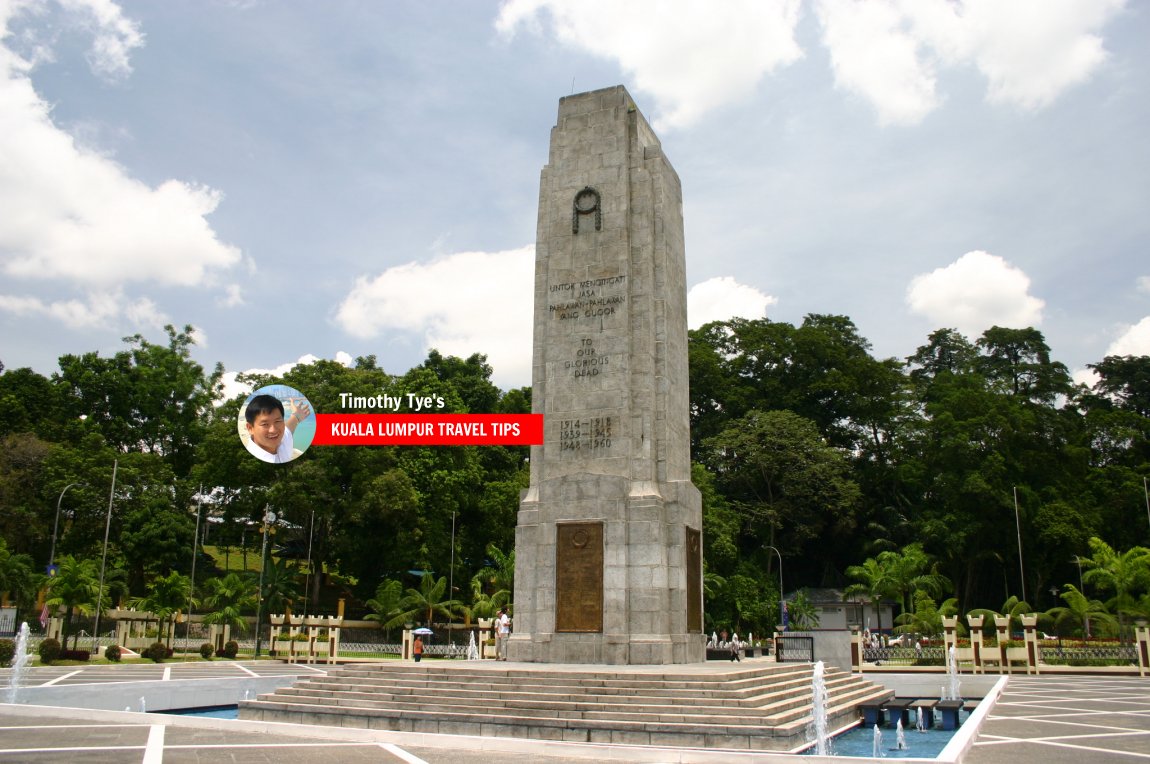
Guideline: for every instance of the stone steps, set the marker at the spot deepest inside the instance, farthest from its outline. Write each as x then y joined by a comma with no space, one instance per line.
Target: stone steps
765,707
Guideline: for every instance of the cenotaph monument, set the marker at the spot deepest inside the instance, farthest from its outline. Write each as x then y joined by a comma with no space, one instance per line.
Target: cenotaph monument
608,544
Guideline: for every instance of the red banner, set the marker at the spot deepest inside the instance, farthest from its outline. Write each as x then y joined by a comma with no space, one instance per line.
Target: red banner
428,430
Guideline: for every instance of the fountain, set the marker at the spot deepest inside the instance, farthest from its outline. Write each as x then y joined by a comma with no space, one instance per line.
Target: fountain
920,724
19,662
472,649
952,673
819,710
143,705
900,736
876,748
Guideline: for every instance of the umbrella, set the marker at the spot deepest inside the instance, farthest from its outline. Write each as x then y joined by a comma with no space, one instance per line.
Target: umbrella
423,630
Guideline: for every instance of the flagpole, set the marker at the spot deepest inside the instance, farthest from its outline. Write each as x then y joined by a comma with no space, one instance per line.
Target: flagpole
104,560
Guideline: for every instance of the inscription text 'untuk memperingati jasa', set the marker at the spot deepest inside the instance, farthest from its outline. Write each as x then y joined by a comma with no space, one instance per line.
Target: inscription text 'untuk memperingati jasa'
589,298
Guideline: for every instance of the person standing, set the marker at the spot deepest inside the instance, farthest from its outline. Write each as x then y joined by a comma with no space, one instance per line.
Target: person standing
417,649
502,633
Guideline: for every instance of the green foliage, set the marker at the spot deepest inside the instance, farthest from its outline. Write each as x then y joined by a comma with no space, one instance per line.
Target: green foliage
7,652
112,653
48,650
802,612
423,604
229,651
156,652
206,650
227,598
167,596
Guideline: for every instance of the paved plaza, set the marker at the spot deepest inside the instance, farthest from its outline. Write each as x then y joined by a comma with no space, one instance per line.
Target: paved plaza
1041,719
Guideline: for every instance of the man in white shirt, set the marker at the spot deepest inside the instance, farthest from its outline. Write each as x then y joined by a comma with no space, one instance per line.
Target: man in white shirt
502,633
269,434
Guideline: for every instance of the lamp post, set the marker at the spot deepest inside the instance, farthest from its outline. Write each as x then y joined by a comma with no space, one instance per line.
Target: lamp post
104,559
1082,588
192,581
451,582
269,518
56,526
1018,530
781,603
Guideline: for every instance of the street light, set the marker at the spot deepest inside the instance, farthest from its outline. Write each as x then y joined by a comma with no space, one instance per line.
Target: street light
269,518
1018,530
56,526
104,559
781,603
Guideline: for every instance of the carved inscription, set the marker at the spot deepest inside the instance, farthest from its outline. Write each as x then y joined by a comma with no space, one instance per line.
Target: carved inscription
590,298
579,577
585,435
694,561
587,361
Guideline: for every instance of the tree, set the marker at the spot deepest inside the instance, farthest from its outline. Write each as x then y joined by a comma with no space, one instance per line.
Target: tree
17,578
1079,612
873,583
911,571
167,596
385,604
424,603
497,579
777,470
75,587
1018,361
226,598
1124,573
281,586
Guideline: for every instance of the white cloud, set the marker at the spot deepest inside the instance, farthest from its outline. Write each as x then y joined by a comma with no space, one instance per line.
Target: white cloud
1144,284
113,35
100,309
461,304
233,387
975,292
1134,340
723,298
691,56
873,54
233,296
72,214
1029,51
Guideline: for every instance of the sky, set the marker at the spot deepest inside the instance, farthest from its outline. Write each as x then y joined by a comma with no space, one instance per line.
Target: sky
303,180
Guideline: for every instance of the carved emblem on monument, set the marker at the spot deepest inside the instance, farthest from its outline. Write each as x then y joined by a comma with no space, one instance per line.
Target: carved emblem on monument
586,202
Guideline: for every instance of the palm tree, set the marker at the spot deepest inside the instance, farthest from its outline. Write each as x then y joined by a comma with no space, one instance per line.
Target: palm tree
75,587
1079,611
281,585
17,578
1123,573
1013,607
425,602
499,577
385,604
874,583
167,595
911,570
227,598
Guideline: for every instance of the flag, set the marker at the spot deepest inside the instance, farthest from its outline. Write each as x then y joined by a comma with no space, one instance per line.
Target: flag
44,617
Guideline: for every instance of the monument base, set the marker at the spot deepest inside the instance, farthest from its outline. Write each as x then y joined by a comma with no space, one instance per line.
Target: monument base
608,649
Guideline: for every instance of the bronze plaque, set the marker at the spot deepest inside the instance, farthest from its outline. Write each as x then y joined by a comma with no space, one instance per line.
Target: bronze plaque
694,559
579,577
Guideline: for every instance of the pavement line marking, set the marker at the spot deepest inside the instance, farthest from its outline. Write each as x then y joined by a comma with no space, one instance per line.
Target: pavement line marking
62,677
154,750
167,673
245,669
1110,751
399,753
77,749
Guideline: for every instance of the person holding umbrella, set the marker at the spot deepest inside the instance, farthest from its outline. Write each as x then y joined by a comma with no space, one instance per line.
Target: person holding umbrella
417,648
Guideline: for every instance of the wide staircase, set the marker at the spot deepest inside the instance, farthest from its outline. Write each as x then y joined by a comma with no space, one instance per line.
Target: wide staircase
751,706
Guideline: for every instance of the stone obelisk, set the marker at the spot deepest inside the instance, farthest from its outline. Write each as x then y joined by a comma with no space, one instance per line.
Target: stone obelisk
608,545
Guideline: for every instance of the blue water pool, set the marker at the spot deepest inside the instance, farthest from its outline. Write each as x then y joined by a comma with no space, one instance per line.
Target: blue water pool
919,745
211,712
